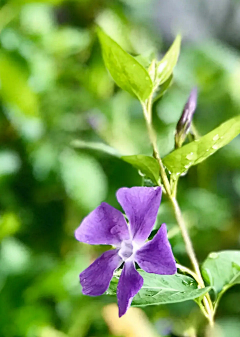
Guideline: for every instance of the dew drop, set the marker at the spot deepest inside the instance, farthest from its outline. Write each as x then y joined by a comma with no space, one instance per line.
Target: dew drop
215,147
191,156
213,255
216,137
185,282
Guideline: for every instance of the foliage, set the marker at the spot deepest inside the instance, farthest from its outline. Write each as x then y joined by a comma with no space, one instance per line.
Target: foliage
64,126
162,289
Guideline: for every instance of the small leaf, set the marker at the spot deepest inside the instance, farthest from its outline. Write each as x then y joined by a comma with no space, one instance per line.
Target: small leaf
81,144
83,178
20,94
162,289
126,71
163,88
222,270
146,59
147,165
168,62
180,160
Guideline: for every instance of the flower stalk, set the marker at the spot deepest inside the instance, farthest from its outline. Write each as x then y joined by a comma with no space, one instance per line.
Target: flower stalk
207,306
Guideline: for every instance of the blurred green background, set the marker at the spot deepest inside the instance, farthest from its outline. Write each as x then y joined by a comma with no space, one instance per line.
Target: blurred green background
54,89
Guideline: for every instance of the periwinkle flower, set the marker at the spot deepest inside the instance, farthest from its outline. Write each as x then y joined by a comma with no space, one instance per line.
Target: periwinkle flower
106,225
185,121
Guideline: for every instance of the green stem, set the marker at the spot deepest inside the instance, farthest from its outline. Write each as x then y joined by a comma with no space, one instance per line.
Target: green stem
147,110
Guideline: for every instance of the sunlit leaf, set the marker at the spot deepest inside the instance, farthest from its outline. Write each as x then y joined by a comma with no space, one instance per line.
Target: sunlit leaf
81,144
221,270
9,224
83,178
163,88
126,71
50,2
180,160
147,165
162,289
146,59
168,62
15,89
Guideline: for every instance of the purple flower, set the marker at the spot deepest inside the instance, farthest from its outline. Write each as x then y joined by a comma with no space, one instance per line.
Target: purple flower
106,225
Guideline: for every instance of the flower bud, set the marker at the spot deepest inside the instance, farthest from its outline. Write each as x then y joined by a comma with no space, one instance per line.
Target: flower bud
184,123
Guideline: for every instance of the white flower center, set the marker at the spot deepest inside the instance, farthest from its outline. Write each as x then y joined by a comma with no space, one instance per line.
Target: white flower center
126,250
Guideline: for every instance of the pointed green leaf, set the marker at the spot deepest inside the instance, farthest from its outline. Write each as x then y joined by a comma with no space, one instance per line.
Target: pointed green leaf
162,289
168,62
222,270
126,71
81,144
146,59
163,88
179,161
147,165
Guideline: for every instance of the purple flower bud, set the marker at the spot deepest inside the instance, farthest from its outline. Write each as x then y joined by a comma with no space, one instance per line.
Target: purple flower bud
184,123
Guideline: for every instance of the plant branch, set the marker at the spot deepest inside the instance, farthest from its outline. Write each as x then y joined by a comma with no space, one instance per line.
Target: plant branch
147,110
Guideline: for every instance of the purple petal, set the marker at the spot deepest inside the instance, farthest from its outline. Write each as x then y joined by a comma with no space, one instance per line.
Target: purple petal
96,278
141,206
156,255
129,284
105,226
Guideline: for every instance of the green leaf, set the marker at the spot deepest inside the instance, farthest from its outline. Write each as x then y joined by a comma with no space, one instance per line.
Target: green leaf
222,270
179,161
147,165
19,94
146,59
83,177
168,62
162,289
126,71
163,88
81,144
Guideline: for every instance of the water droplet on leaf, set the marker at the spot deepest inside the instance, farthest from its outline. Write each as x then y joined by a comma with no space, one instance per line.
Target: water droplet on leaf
185,283
191,156
216,137
213,255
